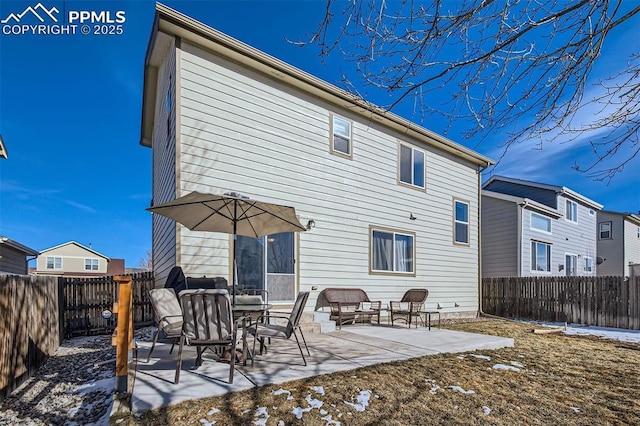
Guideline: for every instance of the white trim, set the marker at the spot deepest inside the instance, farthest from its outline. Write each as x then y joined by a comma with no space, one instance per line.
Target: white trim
531,257
566,215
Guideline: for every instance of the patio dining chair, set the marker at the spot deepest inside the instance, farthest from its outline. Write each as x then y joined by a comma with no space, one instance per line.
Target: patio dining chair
409,307
278,326
207,324
168,316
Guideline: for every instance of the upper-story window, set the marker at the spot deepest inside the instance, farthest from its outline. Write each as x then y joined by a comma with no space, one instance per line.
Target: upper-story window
571,212
604,230
412,166
54,262
91,264
540,223
341,139
391,251
461,222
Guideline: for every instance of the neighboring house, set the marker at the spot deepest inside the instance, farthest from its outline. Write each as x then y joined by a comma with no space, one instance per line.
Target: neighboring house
531,228
619,243
75,260
13,257
395,206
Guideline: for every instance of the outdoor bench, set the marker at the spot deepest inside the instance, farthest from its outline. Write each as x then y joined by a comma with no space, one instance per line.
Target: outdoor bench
349,304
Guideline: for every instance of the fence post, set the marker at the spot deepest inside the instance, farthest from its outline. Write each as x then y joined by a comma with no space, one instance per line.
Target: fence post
124,329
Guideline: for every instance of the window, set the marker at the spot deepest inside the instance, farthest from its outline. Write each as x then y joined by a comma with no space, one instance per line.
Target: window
54,262
540,256
91,264
605,230
412,166
340,136
392,251
588,264
540,223
461,222
571,212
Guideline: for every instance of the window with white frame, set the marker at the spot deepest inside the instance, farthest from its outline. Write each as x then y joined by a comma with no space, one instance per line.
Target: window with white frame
91,264
540,256
461,222
540,223
412,166
391,251
604,230
571,212
341,142
588,264
54,262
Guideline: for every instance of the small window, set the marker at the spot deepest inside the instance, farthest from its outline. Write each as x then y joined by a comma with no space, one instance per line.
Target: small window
540,223
341,142
392,252
461,222
91,264
571,212
412,166
605,230
54,262
588,264
540,257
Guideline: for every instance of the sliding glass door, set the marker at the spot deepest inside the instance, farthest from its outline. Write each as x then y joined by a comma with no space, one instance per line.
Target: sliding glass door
268,263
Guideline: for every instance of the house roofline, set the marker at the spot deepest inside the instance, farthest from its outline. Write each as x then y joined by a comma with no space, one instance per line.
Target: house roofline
524,203
173,22
20,247
631,217
79,245
561,190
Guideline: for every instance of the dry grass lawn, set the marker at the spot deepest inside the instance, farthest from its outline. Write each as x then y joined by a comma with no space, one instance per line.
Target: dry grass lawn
563,380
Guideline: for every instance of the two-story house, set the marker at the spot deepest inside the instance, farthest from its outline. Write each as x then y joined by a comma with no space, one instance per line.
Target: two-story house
619,244
531,228
14,257
75,260
390,205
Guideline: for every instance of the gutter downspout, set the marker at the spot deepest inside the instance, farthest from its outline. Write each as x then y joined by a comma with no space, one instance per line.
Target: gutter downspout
479,172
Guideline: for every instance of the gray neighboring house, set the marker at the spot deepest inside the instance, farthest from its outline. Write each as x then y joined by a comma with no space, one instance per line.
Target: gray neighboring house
13,257
619,243
536,229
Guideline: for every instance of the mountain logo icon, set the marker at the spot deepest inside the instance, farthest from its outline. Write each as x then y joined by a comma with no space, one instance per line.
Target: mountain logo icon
38,11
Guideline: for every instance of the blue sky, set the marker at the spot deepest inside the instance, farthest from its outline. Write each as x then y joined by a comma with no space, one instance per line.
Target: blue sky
70,107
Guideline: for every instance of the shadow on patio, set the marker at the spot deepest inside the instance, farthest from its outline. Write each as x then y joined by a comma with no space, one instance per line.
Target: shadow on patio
352,347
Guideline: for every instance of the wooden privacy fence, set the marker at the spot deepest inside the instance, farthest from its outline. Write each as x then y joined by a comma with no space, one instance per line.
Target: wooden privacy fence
600,301
84,300
29,326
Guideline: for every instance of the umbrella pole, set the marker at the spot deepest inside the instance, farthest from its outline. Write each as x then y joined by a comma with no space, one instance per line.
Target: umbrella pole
233,265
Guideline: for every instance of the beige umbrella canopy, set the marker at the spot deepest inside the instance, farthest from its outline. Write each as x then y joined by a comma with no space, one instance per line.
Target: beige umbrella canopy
230,213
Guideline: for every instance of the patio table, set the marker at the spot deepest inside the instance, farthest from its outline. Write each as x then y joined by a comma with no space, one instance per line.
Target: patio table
243,311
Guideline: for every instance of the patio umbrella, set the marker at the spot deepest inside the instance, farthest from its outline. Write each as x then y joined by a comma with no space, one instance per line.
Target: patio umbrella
230,213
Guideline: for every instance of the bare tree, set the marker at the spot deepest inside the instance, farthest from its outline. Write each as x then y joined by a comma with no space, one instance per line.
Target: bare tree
518,69
146,262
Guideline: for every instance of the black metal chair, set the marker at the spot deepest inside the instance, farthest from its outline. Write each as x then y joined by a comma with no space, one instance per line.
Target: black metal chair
278,326
207,324
168,315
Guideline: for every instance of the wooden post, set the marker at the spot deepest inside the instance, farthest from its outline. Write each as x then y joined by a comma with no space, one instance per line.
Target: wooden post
124,329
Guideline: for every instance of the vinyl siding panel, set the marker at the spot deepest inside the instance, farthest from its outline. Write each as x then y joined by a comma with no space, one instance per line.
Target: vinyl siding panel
241,131
611,249
12,261
499,238
631,246
164,167
566,238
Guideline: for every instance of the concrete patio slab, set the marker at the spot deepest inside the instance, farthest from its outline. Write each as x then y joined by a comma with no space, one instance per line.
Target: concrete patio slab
352,347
